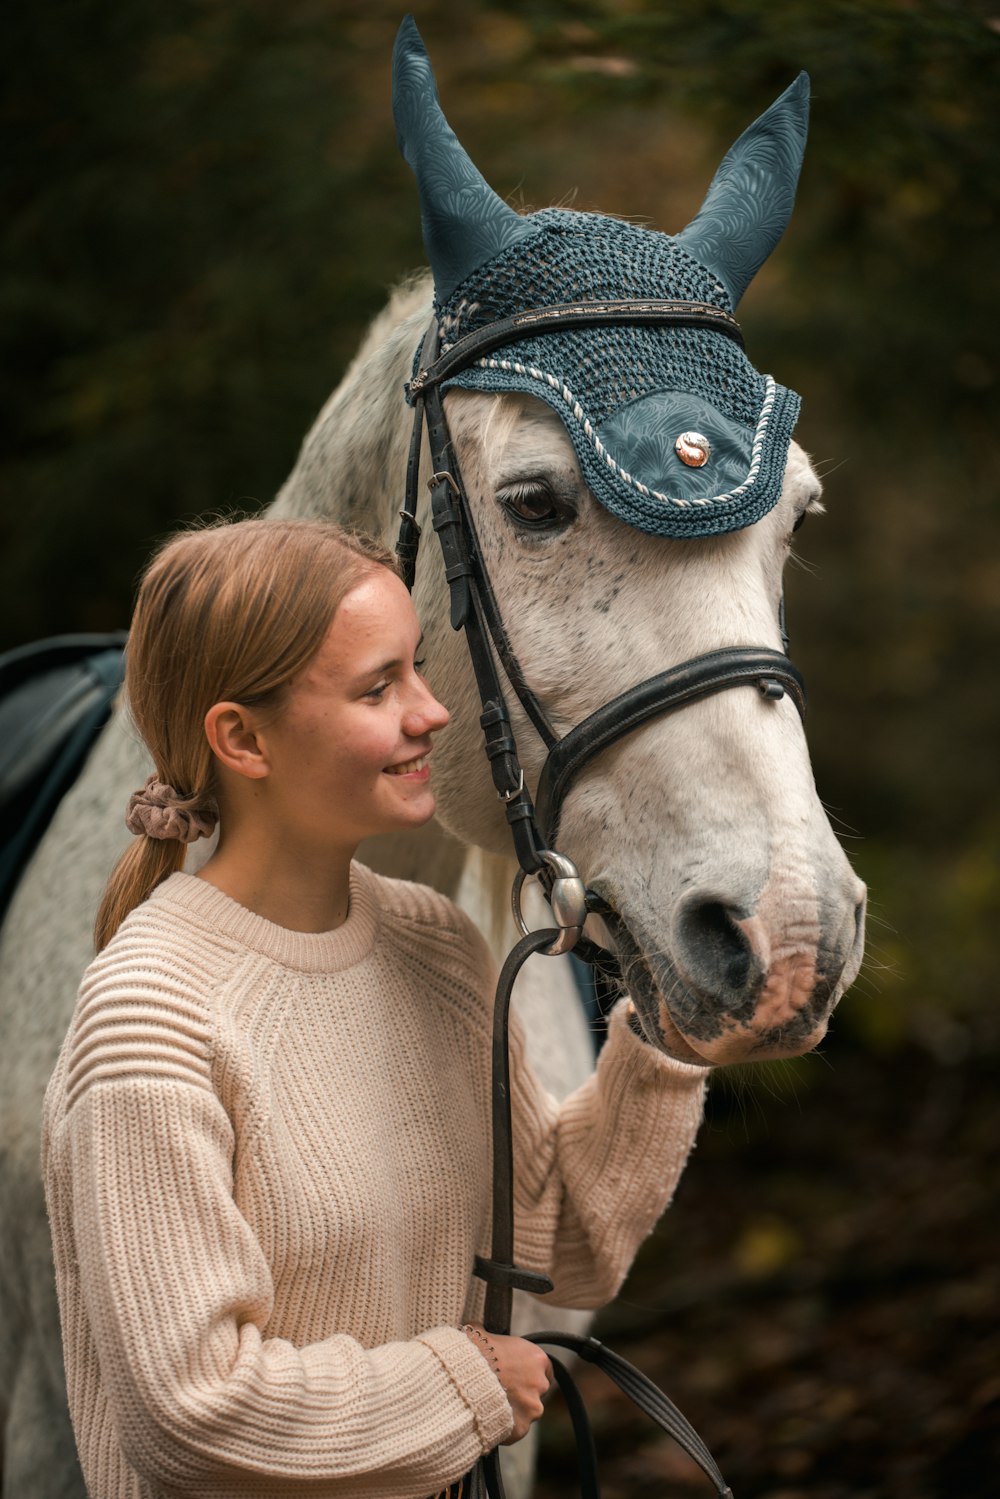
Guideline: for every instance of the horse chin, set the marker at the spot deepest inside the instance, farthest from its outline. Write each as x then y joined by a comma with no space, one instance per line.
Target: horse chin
657,989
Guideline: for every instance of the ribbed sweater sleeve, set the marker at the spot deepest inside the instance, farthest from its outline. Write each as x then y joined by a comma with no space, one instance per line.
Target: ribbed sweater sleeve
176,1291
593,1174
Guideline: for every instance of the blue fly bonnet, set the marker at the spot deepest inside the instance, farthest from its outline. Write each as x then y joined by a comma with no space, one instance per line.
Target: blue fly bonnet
675,431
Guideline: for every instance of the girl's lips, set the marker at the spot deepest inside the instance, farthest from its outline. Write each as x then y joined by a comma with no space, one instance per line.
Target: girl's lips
416,767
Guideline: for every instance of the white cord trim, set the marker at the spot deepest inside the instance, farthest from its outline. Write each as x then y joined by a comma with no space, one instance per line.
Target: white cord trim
756,448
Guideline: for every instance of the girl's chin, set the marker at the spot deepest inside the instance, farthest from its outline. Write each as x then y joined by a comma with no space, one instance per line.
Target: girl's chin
419,811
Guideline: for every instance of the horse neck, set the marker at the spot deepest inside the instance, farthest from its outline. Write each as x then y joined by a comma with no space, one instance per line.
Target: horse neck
352,464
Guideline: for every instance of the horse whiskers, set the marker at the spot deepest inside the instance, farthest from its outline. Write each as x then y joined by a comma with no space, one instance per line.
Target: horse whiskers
780,1079
826,466
843,828
803,564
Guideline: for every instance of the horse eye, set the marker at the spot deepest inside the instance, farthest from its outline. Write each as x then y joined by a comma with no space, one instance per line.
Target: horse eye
532,505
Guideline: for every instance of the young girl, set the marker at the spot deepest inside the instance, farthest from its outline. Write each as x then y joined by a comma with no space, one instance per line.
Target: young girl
266,1143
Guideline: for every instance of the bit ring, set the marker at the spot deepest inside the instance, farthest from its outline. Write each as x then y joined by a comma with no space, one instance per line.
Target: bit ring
568,899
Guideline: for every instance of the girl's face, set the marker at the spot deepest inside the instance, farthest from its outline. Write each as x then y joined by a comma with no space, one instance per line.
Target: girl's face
349,752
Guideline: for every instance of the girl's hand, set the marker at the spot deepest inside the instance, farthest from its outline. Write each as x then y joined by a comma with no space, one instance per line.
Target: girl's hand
522,1368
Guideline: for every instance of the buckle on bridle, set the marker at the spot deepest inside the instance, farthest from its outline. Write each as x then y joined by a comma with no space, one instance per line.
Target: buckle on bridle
444,476
509,796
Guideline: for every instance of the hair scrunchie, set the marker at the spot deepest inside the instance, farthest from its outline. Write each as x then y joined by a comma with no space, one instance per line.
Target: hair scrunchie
156,811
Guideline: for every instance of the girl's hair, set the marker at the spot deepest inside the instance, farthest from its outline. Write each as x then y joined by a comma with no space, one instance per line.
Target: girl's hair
229,612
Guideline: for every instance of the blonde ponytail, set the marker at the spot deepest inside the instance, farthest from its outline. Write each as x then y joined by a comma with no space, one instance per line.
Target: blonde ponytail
230,612
143,865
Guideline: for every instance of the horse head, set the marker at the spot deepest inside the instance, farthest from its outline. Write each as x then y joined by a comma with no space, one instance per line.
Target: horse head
635,489
634,486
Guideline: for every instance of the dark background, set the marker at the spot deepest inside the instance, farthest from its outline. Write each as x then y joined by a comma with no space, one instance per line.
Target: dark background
203,205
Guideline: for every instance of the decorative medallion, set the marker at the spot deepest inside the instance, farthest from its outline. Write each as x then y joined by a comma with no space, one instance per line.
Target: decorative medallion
693,449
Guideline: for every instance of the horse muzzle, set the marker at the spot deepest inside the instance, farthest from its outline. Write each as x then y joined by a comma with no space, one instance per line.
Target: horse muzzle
734,986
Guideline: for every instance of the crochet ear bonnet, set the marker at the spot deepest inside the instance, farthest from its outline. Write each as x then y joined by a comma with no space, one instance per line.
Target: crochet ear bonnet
676,433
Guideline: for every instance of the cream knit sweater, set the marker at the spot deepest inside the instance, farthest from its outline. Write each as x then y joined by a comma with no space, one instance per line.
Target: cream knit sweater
267,1166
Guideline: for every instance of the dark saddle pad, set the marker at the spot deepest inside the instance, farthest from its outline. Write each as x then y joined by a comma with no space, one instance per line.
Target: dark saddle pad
55,697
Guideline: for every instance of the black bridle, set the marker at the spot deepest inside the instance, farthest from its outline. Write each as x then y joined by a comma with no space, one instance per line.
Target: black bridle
474,608
534,824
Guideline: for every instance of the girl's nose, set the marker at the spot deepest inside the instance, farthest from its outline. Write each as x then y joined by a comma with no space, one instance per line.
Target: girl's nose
426,714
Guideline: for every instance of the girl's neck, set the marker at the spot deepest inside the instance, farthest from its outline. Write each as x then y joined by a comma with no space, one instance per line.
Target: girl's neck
295,889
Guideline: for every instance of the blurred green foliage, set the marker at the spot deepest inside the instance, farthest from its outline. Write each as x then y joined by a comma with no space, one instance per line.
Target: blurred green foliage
204,204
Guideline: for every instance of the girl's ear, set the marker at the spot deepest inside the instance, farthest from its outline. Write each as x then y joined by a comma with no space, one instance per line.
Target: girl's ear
234,737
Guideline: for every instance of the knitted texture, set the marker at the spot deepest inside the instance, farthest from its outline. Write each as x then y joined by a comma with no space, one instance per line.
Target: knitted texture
626,393
266,1156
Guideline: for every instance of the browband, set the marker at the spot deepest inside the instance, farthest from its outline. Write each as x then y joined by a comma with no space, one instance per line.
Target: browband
646,311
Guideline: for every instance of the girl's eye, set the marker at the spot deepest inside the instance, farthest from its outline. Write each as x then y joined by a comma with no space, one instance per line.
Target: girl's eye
377,692
419,665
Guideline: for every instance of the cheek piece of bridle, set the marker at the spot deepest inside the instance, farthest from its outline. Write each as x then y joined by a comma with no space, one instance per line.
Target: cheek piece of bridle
535,825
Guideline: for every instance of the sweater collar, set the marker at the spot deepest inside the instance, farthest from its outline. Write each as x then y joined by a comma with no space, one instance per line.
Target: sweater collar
313,952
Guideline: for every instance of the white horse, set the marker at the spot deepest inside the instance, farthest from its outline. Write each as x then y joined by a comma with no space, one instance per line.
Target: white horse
742,921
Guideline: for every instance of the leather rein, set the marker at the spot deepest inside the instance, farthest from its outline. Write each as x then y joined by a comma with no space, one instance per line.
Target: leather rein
534,824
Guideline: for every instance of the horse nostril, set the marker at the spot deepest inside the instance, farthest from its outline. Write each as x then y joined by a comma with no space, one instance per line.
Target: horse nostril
714,949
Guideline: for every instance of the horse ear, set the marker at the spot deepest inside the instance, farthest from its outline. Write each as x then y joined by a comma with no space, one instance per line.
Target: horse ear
749,203
465,223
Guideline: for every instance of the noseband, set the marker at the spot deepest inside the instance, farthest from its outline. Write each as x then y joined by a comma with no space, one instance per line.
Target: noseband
474,609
